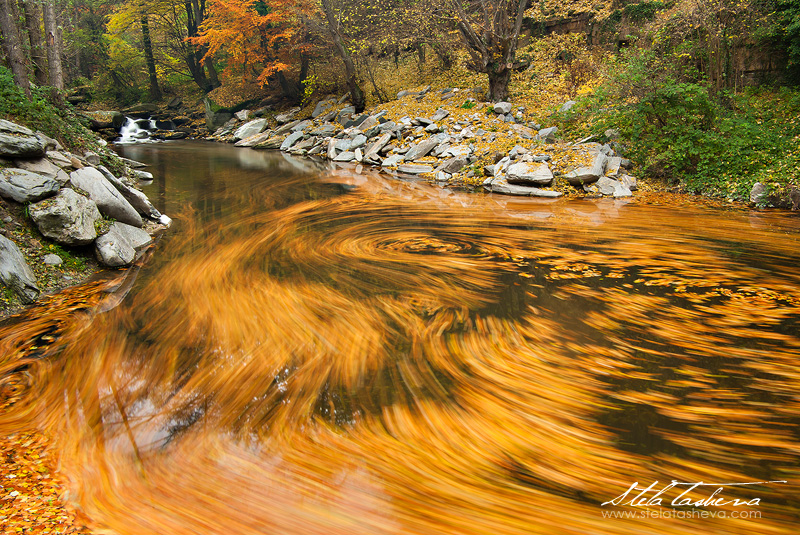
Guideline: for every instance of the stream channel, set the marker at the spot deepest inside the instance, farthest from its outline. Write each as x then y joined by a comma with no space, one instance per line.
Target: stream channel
309,350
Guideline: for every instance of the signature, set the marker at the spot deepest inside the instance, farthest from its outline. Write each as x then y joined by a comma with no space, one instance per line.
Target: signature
637,496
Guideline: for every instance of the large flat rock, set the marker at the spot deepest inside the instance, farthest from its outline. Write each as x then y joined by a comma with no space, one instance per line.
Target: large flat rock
109,201
24,186
68,218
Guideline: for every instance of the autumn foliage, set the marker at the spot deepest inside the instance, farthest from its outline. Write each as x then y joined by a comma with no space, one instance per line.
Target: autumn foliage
259,39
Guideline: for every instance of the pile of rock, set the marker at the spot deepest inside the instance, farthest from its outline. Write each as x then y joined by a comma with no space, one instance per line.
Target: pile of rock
67,197
440,146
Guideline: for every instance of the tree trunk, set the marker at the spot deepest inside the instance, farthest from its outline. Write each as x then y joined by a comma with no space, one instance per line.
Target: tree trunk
356,94
155,91
53,50
13,47
33,19
498,83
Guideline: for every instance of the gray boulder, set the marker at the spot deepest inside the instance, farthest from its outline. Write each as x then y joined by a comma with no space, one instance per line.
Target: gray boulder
291,139
501,185
527,174
566,106
287,116
502,108
588,175
104,119
138,200
16,141
606,185
113,250
323,106
391,161
421,149
359,141
548,134
44,167
376,147
250,129
452,165
68,218
346,156
52,260
252,141
136,237
440,114
109,201
59,159
15,272
415,169
24,186
759,193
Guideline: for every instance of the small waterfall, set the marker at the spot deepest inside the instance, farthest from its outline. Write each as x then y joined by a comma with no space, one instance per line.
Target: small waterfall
136,131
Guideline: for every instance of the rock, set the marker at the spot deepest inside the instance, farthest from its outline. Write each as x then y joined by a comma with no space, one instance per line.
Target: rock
92,158
500,185
359,156
58,159
306,144
215,116
16,141
242,115
301,125
606,185
322,106
133,164
136,237
368,123
548,134
99,120
359,141
250,129
629,182
432,128
113,250
458,151
415,169
566,106
291,139
138,200
287,116
626,163
794,198
523,131
109,201
141,110
502,108
15,272
24,186
621,190
252,141
529,173
613,165
52,260
440,114
143,176
325,130
452,165
284,129
421,149
174,103
345,156
376,147
612,133
588,175
344,115
274,142
759,193
68,218
392,160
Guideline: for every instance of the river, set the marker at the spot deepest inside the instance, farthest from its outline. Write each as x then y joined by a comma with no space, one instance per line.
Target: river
309,350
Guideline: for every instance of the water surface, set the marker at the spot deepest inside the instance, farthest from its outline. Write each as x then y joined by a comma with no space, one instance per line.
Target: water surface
312,350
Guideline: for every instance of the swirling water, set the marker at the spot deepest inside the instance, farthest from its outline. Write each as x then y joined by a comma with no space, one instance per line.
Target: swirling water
311,350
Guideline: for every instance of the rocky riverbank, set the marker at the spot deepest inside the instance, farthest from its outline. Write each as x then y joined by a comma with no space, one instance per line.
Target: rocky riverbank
65,215
450,137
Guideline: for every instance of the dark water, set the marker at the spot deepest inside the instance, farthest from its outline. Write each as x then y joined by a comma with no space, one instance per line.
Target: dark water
312,350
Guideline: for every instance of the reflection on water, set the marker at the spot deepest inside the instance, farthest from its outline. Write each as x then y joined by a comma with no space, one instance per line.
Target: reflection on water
316,351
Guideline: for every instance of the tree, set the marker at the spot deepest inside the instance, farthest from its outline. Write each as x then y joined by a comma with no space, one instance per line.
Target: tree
33,21
490,29
155,91
13,47
356,94
52,45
